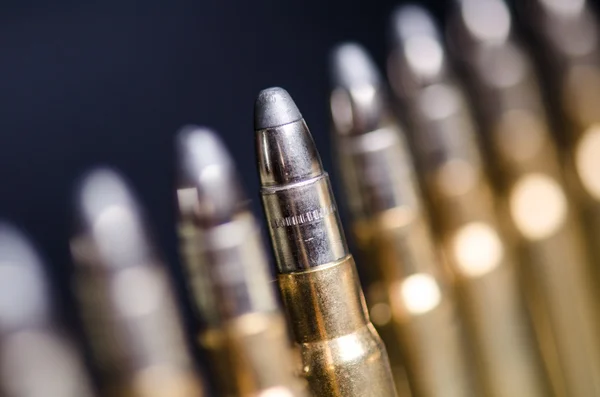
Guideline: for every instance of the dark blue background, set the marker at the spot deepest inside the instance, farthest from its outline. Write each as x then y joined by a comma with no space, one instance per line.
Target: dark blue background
84,83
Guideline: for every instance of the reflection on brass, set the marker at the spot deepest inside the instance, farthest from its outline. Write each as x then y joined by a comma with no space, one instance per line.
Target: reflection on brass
390,226
341,353
124,293
244,331
587,160
463,207
541,219
253,350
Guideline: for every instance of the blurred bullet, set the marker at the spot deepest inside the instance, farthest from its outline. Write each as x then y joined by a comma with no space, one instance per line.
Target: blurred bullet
463,207
508,99
405,291
37,359
245,330
342,355
125,296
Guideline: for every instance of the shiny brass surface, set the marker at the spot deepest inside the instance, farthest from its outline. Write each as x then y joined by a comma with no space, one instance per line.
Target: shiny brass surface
454,178
482,262
390,226
485,271
542,219
242,327
253,349
380,313
139,355
423,315
250,351
380,310
550,235
342,355
565,34
157,382
126,301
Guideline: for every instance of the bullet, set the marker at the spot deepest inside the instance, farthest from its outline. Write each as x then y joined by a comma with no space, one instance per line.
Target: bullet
463,207
342,355
518,135
245,330
565,35
125,297
391,227
37,357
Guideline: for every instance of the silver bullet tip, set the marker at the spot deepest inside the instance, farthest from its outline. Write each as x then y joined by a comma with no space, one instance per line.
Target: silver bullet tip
357,101
101,189
274,107
23,294
206,166
412,20
351,65
109,213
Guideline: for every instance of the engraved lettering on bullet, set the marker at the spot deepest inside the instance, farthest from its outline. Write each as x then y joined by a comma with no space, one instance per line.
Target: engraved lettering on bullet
310,216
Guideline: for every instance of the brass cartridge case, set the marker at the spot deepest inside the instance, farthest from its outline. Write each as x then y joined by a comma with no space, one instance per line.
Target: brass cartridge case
243,330
342,355
391,228
396,239
253,349
127,305
565,37
540,215
463,207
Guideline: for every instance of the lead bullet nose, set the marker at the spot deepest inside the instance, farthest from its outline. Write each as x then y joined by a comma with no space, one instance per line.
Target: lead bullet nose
23,293
274,107
410,21
206,165
351,65
108,212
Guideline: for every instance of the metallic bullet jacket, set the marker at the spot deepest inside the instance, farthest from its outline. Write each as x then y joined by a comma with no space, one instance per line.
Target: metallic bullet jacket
391,227
124,294
342,355
37,357
243,330
518,138
463,207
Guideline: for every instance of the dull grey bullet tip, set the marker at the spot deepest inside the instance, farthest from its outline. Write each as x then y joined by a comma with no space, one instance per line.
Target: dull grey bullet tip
351,65
206,164
24,299
274,107
411,20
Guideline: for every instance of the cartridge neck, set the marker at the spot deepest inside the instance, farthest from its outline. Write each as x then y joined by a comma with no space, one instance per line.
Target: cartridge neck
445,130
334,295
254,356
377,171
304,224
226,266
237,267
301,213
130,317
